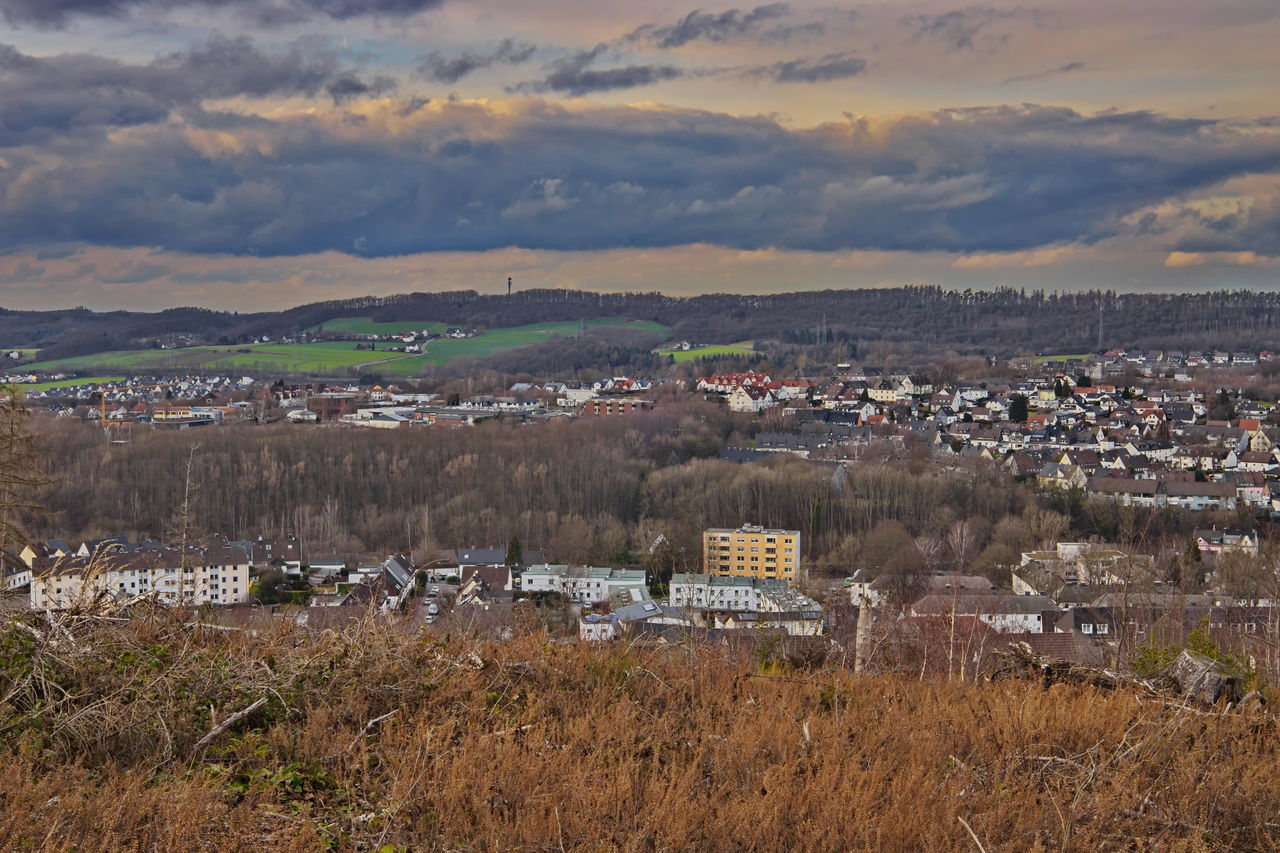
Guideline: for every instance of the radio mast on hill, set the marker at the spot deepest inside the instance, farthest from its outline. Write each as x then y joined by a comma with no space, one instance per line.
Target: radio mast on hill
508,285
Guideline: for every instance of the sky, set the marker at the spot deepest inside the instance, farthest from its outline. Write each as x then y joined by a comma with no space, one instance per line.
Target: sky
258,154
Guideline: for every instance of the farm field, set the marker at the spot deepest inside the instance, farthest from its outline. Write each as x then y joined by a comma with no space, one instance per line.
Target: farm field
333,357
710,351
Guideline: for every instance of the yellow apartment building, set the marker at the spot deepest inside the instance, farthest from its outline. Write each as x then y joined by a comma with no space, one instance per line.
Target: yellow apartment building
752,552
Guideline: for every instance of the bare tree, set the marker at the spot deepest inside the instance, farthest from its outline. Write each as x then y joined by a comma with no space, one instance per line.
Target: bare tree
20,475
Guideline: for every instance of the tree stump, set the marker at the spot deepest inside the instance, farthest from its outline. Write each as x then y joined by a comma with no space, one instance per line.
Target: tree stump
1202,679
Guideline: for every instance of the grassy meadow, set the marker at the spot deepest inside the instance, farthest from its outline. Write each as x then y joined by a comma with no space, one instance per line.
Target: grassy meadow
709,351
333,357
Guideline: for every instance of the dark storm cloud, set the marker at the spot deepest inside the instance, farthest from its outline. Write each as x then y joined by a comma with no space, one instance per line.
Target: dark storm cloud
1251,228
707,26
48,97
574,75
1068,68
461,176
818,69
450,69
59,13
971,28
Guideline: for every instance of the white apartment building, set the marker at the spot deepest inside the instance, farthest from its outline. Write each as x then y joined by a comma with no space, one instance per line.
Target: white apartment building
585,584
699,591
218,575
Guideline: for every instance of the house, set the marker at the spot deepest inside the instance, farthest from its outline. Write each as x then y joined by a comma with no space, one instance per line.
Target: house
914,386
883,392
1091,621
397,574
878,591
1215,541
276,551
597,628
614,406
494,557
1078,563
1004,613
751,398
586,584
14,571
796,623
1200,496
715,593
486,583
723,383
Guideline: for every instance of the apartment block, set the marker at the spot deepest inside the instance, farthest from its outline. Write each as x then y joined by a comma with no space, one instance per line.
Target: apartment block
585,584
206,576
752,552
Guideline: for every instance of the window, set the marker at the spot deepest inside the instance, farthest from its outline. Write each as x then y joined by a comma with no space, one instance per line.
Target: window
1102,628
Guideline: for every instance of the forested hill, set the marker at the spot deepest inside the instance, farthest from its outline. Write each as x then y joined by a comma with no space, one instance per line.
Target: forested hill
998,322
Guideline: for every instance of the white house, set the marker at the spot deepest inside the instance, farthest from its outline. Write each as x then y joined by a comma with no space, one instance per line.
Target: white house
1004,613
751,398
585,584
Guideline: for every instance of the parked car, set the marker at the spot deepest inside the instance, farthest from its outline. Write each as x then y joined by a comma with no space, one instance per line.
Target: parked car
432,609
433,592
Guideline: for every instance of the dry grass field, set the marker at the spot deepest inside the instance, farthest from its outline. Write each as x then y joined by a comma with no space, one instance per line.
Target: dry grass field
376,738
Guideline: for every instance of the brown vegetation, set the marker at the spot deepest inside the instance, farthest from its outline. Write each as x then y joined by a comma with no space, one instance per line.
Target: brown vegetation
375,738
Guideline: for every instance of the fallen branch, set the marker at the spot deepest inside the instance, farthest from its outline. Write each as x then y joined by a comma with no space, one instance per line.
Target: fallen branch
368,727
228,723
972,835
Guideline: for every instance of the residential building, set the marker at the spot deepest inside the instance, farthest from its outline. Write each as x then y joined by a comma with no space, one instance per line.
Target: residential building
1004,613
218,575
615,406
586,584
752,551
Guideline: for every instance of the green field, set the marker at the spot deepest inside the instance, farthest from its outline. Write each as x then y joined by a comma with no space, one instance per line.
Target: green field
1045,359
709,351
367,326
332,358
68,383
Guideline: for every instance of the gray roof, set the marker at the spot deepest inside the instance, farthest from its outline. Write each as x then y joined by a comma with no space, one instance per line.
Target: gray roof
985,604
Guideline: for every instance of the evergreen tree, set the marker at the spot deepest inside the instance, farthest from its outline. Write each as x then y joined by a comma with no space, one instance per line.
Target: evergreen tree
1018,411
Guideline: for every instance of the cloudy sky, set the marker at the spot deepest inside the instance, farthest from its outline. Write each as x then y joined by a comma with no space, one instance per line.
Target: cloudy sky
262,153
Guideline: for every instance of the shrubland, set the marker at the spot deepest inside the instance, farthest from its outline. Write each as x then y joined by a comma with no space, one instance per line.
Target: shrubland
129,735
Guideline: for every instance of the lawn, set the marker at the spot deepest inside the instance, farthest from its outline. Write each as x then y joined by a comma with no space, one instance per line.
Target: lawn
709,351
333,357
368,326
68,383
